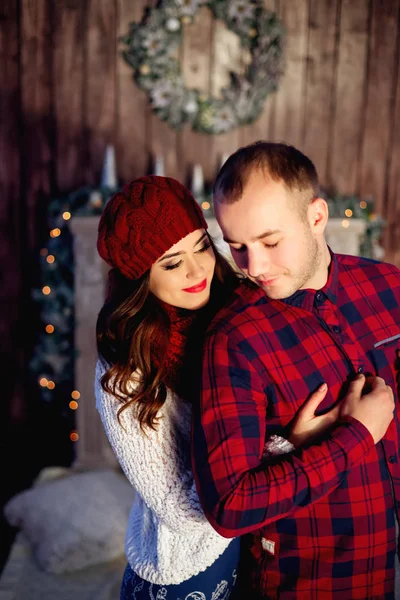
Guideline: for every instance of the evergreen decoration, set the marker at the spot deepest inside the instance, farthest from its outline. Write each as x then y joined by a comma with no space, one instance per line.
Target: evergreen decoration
53,358
151,44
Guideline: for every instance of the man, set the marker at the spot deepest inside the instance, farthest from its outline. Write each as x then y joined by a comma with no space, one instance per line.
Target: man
322,518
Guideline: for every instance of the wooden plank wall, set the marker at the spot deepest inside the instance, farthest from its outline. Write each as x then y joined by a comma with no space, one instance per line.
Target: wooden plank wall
66,93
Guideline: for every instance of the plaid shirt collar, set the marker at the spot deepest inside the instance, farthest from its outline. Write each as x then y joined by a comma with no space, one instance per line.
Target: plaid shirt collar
307,298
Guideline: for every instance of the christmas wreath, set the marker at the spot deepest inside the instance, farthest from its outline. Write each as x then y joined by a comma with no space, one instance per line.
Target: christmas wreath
149,50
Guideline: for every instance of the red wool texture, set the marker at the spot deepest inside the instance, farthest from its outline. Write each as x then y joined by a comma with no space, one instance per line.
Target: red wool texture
140,223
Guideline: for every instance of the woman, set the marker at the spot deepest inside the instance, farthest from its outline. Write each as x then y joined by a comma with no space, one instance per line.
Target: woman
168,281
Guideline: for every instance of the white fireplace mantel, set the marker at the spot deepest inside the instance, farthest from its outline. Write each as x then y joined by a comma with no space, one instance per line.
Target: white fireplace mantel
92,448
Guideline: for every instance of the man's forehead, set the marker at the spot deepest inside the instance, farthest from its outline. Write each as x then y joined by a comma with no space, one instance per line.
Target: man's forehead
262,182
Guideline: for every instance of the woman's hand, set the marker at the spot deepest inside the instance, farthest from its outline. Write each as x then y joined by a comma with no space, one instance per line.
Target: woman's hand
306,424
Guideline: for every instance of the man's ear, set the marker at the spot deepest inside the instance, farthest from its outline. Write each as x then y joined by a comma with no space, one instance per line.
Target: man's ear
318,214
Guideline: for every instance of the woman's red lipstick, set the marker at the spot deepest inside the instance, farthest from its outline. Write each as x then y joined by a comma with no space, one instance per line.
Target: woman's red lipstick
195,289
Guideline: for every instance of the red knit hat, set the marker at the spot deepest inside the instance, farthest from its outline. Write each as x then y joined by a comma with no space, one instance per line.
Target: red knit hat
141,223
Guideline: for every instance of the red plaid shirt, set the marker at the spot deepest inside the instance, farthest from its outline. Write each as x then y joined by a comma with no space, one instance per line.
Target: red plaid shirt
322,519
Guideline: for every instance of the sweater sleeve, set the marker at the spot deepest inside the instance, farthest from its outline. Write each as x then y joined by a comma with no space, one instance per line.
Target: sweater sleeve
156,463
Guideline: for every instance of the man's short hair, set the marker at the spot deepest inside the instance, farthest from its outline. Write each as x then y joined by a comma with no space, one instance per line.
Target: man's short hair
279,162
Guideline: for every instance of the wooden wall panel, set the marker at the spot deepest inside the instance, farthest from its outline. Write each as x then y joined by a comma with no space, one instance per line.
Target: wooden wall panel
11,216
165,141
69,89
100,84
290,99
225,55
391,204
132,138
320,79
37,115
196,69
263,128
377,124
349,96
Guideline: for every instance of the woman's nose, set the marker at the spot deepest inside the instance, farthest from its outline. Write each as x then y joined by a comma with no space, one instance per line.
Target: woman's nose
195,269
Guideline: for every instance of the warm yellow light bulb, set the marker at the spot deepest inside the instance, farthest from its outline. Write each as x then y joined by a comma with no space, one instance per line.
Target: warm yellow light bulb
43,382
73,436
363,204
145,69
348,212
345,223
50,259
66,215
75,395
51,385
73,405
205,205
49,328
46,290
55,232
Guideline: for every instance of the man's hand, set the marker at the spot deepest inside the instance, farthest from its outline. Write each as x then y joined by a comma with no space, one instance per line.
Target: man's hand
374,409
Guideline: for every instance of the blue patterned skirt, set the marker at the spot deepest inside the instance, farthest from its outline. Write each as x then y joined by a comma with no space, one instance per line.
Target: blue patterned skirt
215,583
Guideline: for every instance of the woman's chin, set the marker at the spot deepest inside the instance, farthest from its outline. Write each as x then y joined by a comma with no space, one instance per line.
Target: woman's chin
197,303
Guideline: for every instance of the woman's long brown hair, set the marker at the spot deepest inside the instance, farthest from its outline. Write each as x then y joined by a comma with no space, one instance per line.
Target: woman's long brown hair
129,325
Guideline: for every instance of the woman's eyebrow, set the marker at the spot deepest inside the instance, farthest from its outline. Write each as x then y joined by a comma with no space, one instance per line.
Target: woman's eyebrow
169,256
200,239
173,254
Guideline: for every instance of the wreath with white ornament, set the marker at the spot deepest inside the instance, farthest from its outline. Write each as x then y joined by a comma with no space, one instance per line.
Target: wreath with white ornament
150,46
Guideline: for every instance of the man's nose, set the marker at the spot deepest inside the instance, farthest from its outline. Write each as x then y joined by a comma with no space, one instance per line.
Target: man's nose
257,263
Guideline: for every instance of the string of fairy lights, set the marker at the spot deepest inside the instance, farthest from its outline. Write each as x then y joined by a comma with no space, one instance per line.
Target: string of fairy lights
50,328
53,358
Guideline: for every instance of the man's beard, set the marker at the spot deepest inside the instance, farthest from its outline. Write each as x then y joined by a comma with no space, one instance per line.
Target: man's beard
299,280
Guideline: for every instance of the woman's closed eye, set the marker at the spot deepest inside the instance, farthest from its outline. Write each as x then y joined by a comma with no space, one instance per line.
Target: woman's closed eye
170,267
174,266
204,248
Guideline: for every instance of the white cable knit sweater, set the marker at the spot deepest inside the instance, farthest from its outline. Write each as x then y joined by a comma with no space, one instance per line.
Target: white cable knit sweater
168,539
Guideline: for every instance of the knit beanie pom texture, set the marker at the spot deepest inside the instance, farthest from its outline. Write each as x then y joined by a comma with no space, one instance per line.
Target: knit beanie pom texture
140,223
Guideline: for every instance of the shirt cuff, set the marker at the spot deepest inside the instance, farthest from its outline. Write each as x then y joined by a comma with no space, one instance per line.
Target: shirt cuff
354,438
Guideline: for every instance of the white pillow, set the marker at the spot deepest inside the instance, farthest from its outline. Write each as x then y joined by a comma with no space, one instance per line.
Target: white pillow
75,521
